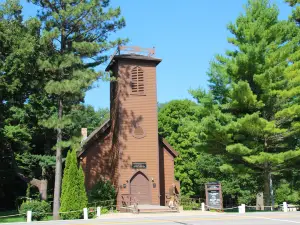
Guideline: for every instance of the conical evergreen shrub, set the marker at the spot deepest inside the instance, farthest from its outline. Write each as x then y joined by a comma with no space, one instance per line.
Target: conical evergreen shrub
73,198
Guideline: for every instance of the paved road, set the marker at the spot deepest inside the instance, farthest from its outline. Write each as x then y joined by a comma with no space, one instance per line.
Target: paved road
191,219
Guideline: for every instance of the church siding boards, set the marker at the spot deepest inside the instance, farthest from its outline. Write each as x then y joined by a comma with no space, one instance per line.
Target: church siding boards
95,161
138,110
112,153
169,167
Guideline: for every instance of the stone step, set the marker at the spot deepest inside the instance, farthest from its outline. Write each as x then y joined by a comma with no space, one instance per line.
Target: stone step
127,210
149,209
157,211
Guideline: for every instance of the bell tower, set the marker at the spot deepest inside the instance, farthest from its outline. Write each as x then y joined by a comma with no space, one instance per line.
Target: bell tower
134,123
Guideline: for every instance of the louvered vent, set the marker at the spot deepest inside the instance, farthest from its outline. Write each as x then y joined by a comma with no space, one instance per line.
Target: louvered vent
137,81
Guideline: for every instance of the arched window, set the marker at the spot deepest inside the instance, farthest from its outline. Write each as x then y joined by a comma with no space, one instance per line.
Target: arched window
137,81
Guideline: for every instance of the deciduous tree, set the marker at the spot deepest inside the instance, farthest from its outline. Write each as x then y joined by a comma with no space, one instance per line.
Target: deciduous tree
173,120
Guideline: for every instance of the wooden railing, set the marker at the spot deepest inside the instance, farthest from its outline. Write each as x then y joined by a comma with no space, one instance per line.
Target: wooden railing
133,49
130,201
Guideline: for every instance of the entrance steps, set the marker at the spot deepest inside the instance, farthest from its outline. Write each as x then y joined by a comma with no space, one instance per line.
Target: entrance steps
149,209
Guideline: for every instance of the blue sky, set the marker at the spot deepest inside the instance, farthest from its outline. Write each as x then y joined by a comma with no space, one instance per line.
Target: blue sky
186,35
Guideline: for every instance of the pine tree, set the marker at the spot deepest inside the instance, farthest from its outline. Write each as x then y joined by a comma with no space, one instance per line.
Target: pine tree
73,197
290,95
81,187
75,36
244,128
289,115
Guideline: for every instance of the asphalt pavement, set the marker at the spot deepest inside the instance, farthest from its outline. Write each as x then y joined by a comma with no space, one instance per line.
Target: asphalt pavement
276,218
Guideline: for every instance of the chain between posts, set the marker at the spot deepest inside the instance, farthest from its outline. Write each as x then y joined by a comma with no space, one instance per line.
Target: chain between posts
8,216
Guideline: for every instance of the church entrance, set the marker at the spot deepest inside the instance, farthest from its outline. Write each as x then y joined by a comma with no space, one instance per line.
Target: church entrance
139,188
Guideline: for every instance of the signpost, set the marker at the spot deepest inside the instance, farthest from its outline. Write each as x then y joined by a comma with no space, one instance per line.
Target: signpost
214,198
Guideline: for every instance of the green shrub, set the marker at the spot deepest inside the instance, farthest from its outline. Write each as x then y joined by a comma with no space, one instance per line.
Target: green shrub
188,203
73,196
103,193
39,209
92,211
285,193
104,210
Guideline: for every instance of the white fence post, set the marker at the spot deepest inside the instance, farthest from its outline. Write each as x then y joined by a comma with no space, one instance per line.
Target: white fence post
285,207
242,208
203,207
29,216
98,212
85,214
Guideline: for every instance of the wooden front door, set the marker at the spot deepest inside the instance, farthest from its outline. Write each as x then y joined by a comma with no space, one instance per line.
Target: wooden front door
139,188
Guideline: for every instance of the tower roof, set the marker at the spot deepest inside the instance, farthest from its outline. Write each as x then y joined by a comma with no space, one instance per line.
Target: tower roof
132,53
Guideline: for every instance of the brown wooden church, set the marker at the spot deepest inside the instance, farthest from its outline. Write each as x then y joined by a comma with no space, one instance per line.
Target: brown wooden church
127,149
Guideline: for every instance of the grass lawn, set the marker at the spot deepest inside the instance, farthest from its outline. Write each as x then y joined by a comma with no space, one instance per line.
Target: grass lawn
16,218
11,219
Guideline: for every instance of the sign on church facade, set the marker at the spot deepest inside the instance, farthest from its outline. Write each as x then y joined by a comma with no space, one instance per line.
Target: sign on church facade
139,165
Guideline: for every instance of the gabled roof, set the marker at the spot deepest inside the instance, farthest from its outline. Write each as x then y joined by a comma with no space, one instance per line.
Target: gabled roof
94,135
168,147
101,130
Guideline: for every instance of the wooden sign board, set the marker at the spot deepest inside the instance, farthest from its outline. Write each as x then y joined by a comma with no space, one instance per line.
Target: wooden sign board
139,165
214,198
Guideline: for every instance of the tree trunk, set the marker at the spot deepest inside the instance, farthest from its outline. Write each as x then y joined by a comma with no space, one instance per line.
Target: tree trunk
43,189
271,192
267,188
58,168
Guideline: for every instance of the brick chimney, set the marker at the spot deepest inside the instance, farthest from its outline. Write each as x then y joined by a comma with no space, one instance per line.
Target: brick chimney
84,133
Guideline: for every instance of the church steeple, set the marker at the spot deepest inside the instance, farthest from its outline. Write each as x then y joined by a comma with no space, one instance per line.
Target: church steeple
134,114
127,149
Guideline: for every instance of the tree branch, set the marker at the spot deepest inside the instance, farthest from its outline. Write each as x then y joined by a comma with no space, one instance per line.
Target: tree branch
33,181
